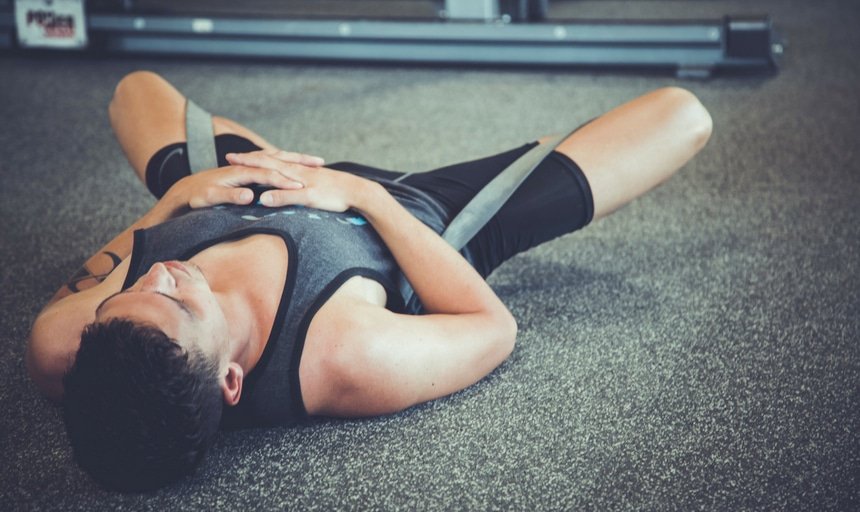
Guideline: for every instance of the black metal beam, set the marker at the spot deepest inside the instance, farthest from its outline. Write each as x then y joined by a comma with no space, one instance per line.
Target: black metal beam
693,48
7,30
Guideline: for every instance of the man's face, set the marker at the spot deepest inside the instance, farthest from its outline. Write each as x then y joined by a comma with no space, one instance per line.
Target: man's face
175,297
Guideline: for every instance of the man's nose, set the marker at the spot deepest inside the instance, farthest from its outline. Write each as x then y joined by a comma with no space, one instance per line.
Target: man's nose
158,279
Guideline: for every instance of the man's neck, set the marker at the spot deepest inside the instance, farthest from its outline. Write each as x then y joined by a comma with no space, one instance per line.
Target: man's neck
242,275
247,339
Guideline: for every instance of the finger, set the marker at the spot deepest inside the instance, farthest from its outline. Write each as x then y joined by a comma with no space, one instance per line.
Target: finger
241,159
215,195
238,158
271,177
284,197
258,159
241,195
255,158
297,158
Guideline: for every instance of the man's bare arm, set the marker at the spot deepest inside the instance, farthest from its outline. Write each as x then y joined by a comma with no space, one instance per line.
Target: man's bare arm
405,359
367,360
55,333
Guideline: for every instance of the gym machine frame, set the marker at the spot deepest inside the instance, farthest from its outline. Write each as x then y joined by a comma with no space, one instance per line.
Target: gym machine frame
473,32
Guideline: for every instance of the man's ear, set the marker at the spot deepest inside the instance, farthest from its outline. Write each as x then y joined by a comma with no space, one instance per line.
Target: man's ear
231,386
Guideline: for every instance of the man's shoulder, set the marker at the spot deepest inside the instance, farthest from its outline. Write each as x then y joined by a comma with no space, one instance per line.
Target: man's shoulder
344,320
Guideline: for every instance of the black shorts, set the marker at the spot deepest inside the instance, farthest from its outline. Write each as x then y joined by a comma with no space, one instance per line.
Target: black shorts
553,201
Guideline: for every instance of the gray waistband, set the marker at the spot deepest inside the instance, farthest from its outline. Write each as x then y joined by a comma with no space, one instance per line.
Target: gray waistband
201,138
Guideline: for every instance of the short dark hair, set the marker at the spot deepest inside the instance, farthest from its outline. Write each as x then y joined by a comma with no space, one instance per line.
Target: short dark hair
140,410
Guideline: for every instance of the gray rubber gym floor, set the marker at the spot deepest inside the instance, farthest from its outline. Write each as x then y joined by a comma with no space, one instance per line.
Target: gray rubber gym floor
696,350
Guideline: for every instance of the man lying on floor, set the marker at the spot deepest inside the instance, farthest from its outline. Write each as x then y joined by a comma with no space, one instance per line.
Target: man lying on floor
222,308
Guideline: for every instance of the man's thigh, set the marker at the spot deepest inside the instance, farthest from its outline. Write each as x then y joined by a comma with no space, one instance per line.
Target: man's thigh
554,200
638,145
170,163
147,113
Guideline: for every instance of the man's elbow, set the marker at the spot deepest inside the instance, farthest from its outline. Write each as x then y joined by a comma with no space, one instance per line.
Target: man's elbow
507,334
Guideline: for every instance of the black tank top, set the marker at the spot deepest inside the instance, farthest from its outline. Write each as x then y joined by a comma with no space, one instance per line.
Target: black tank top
325,250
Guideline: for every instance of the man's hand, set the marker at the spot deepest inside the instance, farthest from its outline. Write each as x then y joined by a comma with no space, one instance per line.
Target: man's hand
228,184
318,187
222,185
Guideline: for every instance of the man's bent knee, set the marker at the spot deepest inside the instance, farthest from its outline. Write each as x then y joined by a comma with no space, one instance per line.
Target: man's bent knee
693,118
132,85
136,79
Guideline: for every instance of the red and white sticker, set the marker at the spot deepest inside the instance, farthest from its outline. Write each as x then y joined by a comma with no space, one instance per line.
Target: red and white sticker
51,23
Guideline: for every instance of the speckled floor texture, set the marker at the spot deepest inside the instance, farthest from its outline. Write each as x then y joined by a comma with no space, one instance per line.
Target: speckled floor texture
697,350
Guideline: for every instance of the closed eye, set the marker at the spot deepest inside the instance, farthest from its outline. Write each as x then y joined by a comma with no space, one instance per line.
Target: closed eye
184,307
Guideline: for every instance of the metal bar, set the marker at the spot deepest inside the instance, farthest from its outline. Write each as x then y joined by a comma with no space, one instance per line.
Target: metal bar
691,45
694,48
670,32
412,52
